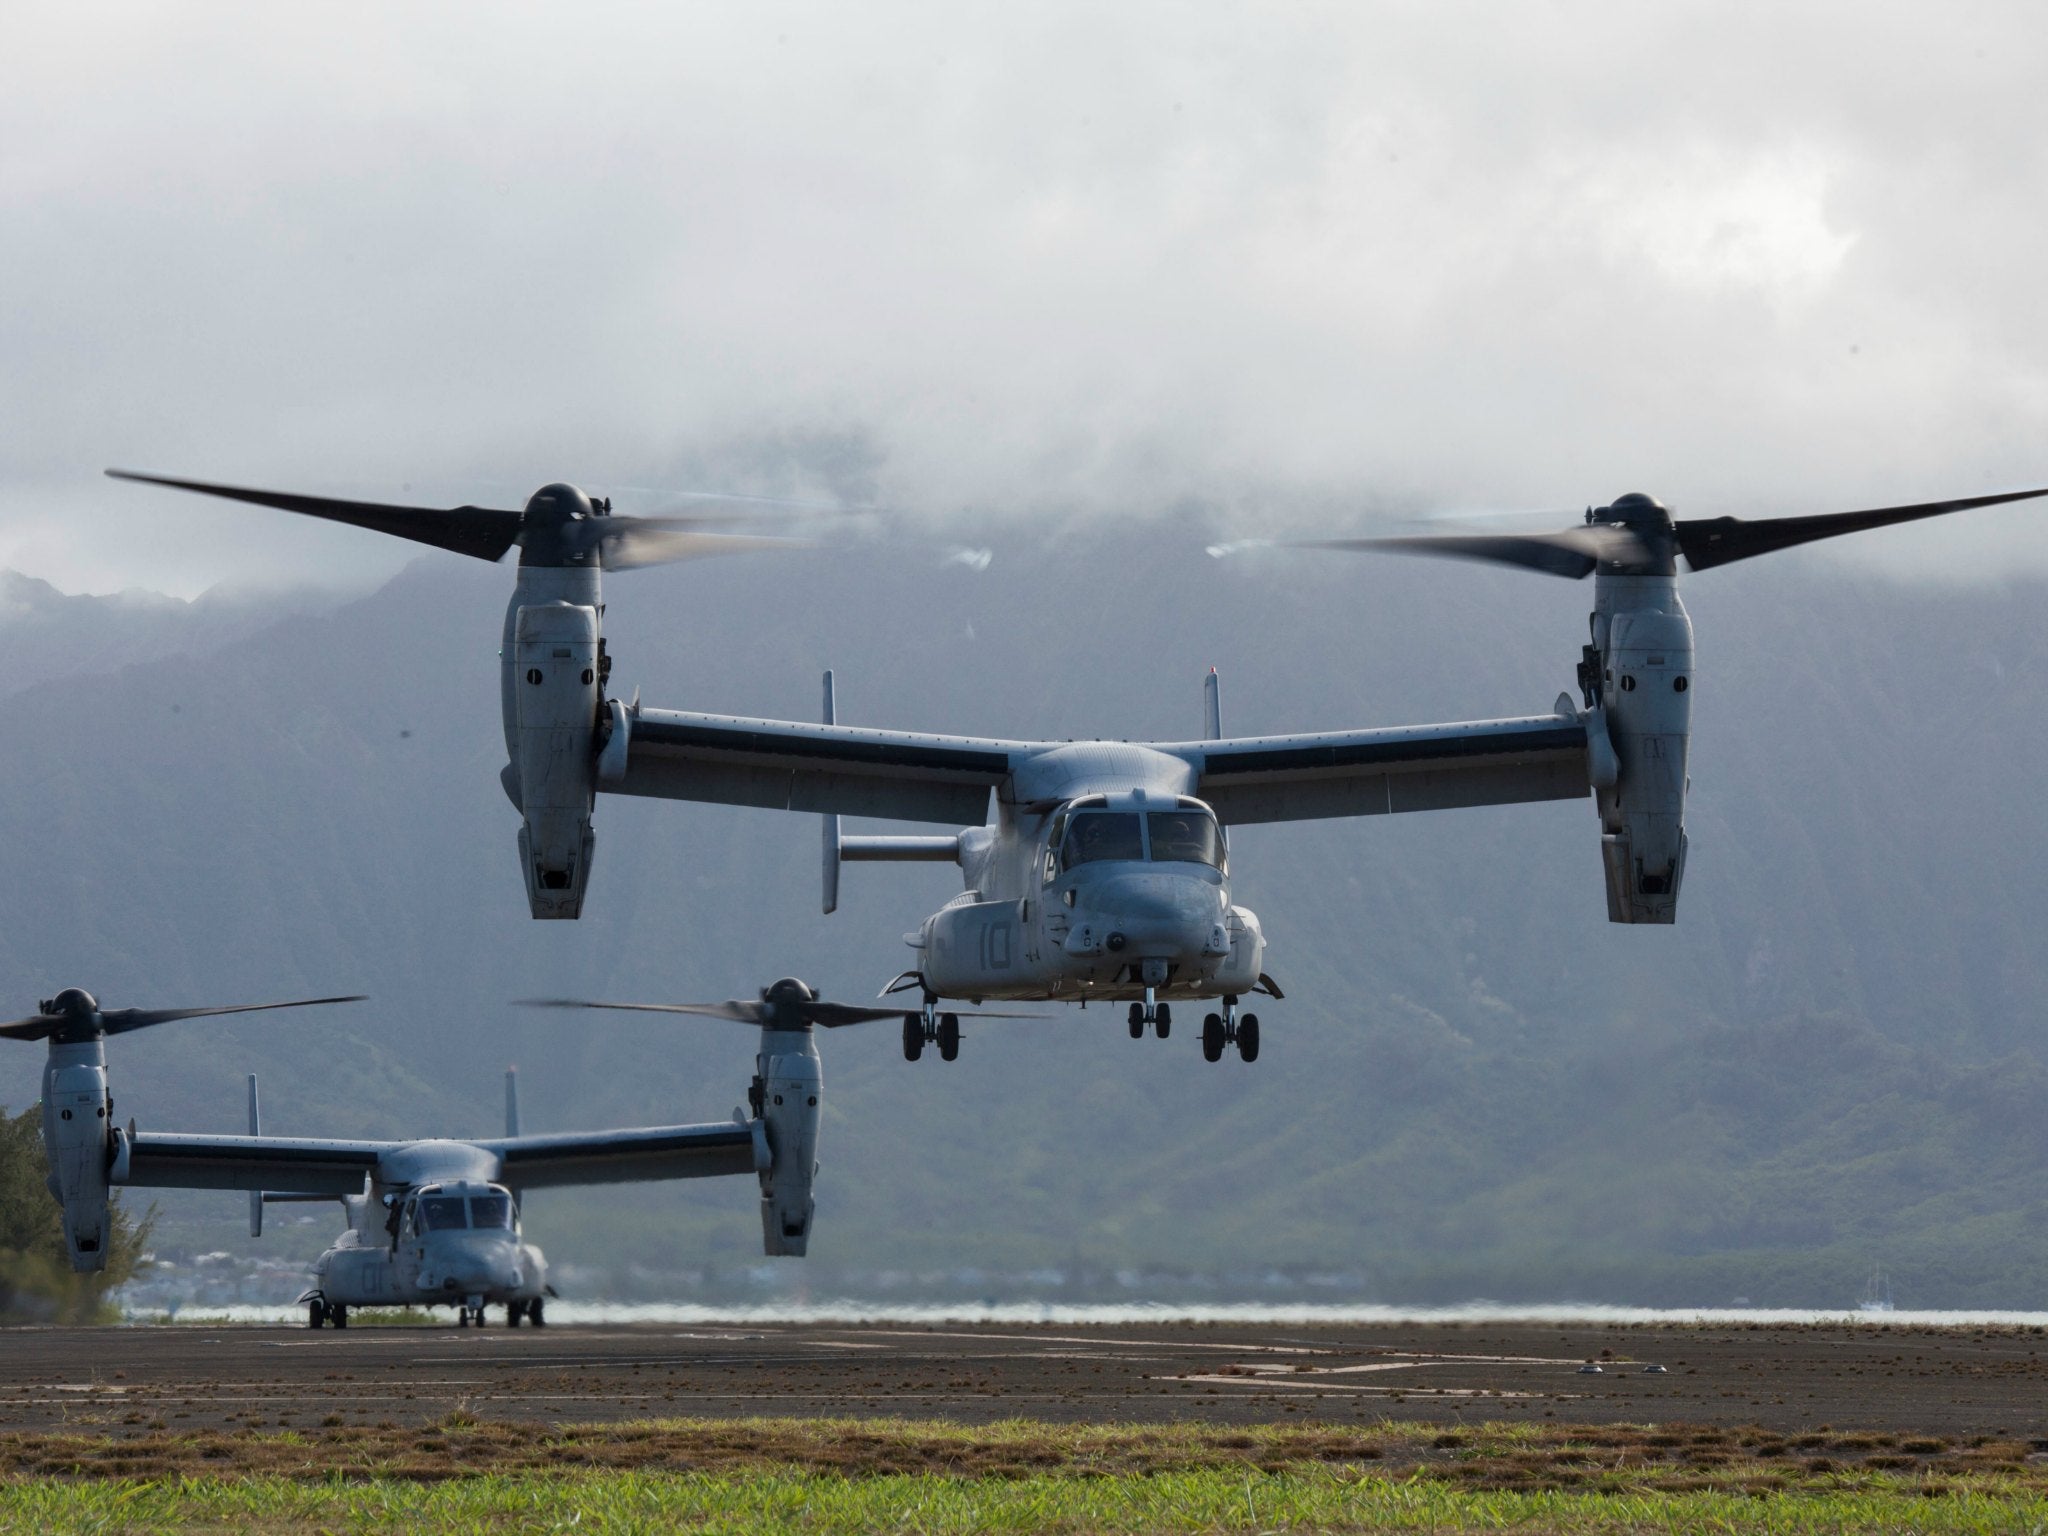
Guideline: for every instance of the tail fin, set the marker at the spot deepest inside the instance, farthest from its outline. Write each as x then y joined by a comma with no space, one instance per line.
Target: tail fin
831,817
1212,722
511,1101
255,1195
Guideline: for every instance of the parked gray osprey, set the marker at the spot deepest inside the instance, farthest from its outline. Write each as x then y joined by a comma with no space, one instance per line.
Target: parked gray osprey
433,1222
1103,872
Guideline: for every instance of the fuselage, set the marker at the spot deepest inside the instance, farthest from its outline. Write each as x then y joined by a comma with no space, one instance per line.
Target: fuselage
456,1242
1115,881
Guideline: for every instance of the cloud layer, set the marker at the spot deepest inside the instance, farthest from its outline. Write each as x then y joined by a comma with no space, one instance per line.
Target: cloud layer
1302,264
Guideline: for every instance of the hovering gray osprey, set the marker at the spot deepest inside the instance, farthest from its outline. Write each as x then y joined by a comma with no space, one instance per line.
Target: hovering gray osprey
1103,871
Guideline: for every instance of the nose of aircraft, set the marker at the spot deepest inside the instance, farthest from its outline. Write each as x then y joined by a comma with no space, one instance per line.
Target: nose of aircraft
470,1263
1159,914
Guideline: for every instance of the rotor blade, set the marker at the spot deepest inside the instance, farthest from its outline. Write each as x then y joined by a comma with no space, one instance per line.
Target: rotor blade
37,1027
836,1015
755,503
1710,541
632,542
479,531
120,1020
733,1009
1571,552
833,1015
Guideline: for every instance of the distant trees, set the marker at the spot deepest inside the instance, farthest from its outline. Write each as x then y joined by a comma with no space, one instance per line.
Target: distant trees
36,1280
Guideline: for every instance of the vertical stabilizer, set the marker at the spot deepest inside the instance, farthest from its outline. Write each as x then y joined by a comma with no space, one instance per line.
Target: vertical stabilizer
1212,719
511,1101
255,1195
831,817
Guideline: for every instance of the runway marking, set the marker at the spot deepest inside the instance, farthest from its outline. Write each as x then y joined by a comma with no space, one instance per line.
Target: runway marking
726,1337
209,1388
1308,1384
1050,1338
613,1397
1418,1362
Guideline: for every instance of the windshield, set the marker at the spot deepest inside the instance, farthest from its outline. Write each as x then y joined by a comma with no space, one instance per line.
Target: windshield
1185,837
490,1211
440,1213
1095,835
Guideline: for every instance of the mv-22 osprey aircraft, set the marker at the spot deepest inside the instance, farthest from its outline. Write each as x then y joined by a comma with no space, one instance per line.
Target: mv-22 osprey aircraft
1103,874
432,1222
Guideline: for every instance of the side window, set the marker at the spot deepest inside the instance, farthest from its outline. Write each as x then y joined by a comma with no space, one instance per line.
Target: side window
1052,847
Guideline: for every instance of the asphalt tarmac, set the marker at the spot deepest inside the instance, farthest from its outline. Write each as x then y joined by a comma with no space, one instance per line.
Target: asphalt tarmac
1958,1382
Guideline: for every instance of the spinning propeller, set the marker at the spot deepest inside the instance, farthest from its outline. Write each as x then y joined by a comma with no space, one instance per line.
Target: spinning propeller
74,1016
559,526
1638,536
789,1004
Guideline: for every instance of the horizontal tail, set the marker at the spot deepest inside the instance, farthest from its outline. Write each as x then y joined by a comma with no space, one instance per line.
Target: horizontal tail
840,848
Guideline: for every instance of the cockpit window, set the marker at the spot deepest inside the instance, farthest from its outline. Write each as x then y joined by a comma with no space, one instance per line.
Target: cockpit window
491,1211
442,1213
1097,835
1185,837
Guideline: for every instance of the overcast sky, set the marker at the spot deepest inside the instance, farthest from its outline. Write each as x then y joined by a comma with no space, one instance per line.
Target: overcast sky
1288,264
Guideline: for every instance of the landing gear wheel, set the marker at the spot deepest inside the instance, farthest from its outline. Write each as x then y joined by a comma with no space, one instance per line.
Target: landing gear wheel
533,1313
1213,1039
514,1310
1137,1021
913,1037
1162,1020
1248,1037
316,1313
949,1036
338,1316
462,1317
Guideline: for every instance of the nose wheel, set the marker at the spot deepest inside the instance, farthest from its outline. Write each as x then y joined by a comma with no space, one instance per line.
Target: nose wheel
1222,1030
1159,1015
929,1028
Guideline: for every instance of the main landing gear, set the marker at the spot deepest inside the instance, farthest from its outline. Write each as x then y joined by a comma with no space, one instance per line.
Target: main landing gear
1230,1028
319,1314
927,1027
1151,1011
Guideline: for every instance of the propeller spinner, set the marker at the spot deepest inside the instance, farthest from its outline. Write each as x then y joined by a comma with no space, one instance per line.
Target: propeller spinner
1636,535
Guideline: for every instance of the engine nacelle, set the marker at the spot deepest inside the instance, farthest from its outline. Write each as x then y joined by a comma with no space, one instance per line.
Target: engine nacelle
1645,642
790,1084
77,1112
553,725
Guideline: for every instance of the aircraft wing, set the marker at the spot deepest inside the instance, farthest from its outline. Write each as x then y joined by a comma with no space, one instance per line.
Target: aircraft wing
1403,768
786,765
166,1160
620,1157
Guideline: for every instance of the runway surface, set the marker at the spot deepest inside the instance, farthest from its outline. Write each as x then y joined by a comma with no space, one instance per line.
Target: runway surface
1956,1382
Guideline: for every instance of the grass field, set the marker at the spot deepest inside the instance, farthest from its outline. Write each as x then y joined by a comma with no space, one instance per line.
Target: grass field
856,1476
